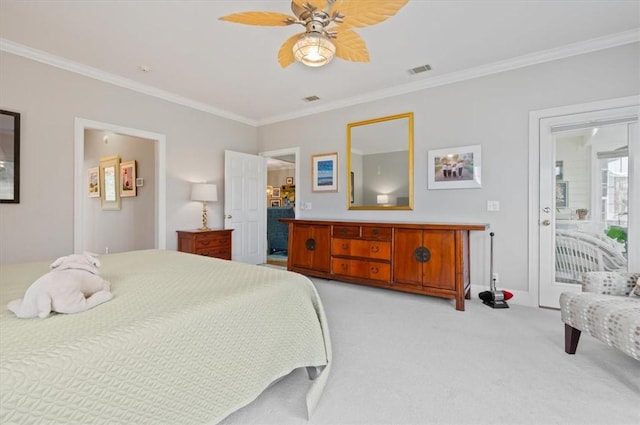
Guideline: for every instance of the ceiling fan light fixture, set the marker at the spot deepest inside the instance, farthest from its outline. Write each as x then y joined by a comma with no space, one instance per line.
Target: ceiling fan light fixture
314,49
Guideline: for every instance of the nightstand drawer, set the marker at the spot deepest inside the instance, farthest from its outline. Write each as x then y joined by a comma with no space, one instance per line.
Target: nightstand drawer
224,253
212,240
211,243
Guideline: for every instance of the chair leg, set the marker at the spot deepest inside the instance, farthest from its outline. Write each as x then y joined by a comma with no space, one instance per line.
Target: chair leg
571,338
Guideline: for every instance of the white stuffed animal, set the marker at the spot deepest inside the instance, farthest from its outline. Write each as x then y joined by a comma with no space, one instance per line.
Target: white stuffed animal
73,285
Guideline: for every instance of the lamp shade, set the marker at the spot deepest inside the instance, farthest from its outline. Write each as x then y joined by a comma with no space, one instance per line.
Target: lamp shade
204,192
383,199
314,49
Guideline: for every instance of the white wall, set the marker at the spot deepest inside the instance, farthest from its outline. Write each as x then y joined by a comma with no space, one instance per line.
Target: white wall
135,221
40,227
492,111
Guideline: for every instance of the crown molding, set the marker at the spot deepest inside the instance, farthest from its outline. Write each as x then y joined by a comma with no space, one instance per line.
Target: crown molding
88,71
600,43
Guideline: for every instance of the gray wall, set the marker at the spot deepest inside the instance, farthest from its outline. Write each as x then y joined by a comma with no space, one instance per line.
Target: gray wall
135,221
492,111
40,227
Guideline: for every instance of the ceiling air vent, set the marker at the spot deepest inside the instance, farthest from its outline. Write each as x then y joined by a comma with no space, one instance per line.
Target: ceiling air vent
419,69
311,98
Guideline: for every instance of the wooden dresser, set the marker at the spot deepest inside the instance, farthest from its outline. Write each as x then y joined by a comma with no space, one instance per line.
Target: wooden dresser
422,258
211,243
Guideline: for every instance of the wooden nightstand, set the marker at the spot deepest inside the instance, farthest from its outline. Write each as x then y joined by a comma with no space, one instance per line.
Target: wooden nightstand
211,243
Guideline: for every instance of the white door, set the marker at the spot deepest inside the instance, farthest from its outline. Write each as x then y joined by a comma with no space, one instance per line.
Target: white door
587,162
245,179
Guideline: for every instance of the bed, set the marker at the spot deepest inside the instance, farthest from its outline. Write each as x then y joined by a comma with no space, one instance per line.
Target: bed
186,339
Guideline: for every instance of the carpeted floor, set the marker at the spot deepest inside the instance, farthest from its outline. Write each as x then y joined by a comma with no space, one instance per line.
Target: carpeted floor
409,359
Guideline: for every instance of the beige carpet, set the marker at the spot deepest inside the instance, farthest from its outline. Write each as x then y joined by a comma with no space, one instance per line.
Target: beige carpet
409,359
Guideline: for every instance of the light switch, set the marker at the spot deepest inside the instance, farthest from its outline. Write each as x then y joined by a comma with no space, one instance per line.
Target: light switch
493,205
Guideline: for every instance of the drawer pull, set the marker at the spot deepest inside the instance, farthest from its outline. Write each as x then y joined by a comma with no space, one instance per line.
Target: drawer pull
310,244
374,270
344,266
205,242
345,230
345,246
376,232
422,254
375,248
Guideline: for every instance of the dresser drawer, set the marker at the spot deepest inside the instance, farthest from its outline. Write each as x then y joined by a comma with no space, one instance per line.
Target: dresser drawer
212,240
381,233
224,253
362,269
379,250
346,231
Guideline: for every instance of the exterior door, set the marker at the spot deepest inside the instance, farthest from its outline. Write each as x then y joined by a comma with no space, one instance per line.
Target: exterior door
245,205
587,198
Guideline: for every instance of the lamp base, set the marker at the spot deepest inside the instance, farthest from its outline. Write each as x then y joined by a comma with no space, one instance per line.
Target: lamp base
204,217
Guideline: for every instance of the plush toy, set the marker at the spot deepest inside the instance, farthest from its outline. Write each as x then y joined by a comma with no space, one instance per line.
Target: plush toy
73,285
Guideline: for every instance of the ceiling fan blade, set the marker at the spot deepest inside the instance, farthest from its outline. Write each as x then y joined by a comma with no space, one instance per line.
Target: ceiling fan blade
350,46
297,5
285,54
271,19
362,13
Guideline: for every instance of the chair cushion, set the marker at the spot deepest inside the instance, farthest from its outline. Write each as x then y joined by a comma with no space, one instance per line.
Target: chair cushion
614,320
635,292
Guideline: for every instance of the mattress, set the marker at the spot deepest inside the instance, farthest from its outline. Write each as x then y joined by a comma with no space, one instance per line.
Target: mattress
186,339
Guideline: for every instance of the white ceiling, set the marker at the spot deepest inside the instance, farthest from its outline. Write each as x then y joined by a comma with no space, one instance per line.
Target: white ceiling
232,69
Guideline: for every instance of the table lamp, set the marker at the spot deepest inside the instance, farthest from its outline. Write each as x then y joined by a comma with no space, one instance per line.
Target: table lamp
204,193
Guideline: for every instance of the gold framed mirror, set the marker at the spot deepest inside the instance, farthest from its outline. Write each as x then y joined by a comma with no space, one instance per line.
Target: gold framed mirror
380,163
110,182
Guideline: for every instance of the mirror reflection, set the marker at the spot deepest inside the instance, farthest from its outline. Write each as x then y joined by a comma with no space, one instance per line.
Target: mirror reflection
9,157
380,163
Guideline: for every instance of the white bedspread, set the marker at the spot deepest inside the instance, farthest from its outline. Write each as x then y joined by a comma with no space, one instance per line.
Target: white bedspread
186,340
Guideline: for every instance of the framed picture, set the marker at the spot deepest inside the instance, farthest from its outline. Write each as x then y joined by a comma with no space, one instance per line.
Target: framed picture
324,172
93,182
110,182
562,194
275,202
128,179
559,170
275,193
288,180
455,168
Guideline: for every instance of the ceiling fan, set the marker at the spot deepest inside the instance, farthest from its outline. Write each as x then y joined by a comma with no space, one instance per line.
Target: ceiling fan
329,28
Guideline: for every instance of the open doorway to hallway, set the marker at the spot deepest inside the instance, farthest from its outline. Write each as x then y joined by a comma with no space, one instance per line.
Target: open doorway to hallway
282,175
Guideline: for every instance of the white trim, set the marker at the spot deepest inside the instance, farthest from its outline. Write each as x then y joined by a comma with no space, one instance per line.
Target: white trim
97,74
587,46
80,125
535,118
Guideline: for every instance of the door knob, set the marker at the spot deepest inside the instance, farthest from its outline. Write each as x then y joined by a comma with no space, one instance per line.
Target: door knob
228,216
546,222
546,209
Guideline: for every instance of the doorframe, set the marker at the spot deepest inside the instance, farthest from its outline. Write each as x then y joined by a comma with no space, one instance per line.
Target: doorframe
82,124
535,120
288,151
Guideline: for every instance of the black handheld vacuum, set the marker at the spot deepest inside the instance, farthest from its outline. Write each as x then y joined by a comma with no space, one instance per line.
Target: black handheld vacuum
494,298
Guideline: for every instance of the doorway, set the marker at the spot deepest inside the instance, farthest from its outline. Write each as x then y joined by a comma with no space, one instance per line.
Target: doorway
586,195
80,196
282,201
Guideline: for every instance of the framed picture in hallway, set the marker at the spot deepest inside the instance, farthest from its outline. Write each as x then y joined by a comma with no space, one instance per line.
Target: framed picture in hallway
455,168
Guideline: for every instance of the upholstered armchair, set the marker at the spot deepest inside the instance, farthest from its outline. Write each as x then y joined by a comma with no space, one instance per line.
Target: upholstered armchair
608,308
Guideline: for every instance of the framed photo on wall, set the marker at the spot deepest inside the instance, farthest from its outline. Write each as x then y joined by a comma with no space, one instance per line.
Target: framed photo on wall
275,193
455,168
288,180
276,202
324,172
93,182
110,182
562,194
128,179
